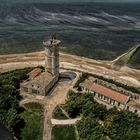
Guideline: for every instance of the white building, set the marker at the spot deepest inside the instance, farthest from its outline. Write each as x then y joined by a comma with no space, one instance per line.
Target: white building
109,96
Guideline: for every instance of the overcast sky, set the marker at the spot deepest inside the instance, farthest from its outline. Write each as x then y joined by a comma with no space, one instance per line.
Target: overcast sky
58,1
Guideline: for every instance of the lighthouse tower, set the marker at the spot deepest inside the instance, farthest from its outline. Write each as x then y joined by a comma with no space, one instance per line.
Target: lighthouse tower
52,56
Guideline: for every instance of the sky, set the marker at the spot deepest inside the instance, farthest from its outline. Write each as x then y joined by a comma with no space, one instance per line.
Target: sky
58,1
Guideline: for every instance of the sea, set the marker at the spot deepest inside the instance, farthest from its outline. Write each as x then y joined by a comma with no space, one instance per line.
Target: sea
95,30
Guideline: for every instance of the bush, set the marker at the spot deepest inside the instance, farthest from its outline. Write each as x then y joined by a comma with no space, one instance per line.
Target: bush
33,117
9,99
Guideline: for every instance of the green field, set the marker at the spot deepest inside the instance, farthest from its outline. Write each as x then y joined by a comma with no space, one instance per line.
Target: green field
63,133
33,117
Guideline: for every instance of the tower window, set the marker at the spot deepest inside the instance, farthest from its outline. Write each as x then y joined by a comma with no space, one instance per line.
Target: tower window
127,107
118,104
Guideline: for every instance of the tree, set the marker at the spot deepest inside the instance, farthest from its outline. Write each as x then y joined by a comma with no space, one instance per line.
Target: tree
123,125
9,98
12,119
90,129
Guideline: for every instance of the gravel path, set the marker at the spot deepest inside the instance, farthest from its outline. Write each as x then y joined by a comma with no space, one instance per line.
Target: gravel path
64,122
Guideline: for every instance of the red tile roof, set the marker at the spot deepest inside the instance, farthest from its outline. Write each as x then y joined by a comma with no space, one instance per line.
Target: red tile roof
93,79
34,73
87,83
134,104
114,95
42,80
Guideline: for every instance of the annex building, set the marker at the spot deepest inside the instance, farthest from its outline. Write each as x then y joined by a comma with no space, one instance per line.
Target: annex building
39,82
109,96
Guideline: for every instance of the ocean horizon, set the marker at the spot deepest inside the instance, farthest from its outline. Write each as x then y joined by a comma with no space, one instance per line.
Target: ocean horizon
95,30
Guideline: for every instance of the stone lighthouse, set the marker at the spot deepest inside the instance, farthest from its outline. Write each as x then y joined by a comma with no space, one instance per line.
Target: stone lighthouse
52,56
42,82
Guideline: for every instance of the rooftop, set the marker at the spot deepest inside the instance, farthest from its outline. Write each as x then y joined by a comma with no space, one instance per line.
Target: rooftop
88,82
114,95
134,104
42,80
34,73
93,79
51,42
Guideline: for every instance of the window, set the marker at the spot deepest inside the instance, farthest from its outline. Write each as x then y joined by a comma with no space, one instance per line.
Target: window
34,91
107,99
101,96
118,104
113,102
127,107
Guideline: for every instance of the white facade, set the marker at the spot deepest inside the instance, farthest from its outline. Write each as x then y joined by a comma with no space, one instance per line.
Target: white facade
110,101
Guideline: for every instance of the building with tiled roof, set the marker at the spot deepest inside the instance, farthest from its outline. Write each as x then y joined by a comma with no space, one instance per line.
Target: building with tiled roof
109,96
34,73
42,82
114,95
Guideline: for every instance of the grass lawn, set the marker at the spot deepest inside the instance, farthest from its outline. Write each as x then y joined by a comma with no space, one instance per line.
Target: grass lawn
58,114
66,132
33,117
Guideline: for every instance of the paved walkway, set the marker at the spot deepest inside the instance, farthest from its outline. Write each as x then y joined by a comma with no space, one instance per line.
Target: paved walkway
64,122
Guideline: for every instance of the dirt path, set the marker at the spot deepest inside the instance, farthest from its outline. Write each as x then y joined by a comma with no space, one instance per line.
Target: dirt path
58,97
64,122
11,62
